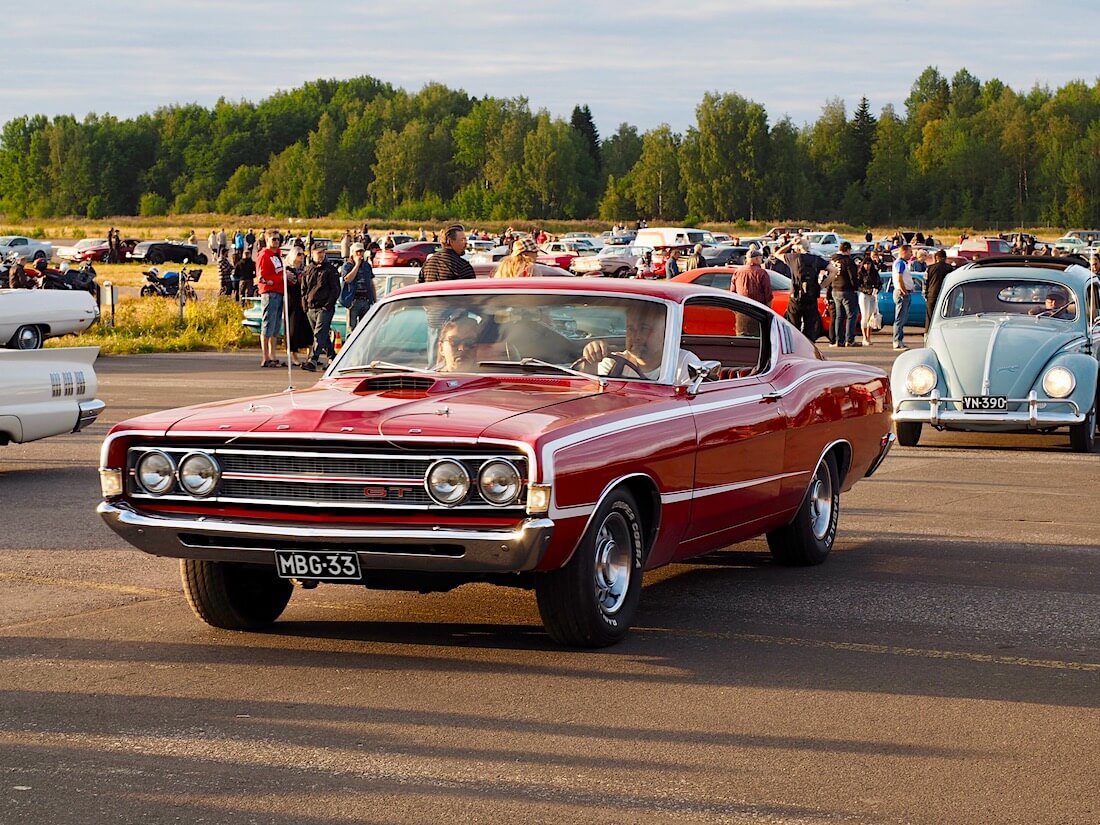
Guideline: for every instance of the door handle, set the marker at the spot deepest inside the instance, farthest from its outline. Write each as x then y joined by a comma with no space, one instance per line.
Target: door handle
770,397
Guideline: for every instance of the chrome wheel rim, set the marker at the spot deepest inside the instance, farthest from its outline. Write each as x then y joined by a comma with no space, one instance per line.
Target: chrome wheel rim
821,502
613,563
28,338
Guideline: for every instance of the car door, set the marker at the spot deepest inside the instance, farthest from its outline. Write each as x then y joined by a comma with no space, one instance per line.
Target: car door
741,427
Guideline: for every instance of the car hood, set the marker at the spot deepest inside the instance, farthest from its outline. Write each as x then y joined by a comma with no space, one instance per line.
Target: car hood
1021,347
462,406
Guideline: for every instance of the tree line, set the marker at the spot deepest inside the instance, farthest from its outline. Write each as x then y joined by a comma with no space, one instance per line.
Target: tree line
964,152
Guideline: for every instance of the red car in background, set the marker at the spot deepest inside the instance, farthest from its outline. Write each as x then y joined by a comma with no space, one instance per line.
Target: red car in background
413,253
721,277
98,252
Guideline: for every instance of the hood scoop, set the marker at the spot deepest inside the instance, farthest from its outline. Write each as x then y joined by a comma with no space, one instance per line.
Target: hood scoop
405,385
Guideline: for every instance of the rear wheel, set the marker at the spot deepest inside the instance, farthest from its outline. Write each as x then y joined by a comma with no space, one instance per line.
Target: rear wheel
148,292
201,259
1082,437
622,272
592,600
908,433
157,257
234,596
809,537
39,255
27,336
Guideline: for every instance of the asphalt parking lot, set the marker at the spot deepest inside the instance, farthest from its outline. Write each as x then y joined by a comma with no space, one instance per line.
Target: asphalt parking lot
942,666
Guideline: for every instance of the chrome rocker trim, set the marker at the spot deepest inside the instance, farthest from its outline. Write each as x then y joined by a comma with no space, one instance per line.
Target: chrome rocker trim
883,450
1033,418
515,549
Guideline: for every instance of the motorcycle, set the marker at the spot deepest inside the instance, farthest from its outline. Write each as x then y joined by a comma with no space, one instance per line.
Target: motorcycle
81,279
168,285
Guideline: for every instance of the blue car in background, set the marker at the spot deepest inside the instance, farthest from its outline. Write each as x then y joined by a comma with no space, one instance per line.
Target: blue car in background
918,310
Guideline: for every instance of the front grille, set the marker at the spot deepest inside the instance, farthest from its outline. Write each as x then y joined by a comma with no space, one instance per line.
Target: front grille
373,478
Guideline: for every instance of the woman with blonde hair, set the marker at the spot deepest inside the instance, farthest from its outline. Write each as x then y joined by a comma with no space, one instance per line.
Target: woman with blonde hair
521,263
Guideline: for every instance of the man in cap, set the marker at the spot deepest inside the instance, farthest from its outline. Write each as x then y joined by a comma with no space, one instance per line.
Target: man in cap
445,265
357,270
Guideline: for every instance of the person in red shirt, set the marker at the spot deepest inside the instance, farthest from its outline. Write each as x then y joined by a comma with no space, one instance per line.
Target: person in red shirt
269,273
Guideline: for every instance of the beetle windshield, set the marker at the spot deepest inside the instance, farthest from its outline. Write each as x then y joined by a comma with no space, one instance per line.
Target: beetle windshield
1012,297
483,333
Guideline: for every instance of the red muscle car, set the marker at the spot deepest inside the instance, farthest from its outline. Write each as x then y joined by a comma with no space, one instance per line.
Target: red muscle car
721,277
562,436
413,253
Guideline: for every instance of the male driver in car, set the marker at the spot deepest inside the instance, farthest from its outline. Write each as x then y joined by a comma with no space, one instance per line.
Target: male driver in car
457,348
641,355
1056,305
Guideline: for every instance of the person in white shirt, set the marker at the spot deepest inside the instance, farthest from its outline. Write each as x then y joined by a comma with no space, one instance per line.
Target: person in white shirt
903,293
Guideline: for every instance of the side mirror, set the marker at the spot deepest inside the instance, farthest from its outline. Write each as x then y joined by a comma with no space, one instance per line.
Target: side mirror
691,372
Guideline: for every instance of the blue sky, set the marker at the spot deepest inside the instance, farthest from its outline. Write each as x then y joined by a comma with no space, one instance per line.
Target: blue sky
642,62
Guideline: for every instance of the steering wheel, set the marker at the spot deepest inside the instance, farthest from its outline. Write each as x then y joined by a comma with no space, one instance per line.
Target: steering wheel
621,362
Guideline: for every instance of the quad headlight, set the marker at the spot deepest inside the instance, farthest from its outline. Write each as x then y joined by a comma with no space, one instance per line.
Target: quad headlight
447,482
199,474
156,473
921,380
499,481
1058,382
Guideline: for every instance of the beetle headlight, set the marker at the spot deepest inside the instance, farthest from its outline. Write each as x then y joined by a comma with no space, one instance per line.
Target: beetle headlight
156,472
499,481
447,482
199,474
921,380
1058,382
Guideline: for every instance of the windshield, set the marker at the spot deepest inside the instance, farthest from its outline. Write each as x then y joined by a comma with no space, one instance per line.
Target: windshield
1012,297
493,333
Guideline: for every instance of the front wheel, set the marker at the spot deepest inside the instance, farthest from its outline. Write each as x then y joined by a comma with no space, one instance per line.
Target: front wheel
27,336
234,596
908,433
592,600
809,537
1082,437
189,293
148,291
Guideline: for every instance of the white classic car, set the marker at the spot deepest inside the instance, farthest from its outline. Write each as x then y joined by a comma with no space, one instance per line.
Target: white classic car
21,245
47,392
30,316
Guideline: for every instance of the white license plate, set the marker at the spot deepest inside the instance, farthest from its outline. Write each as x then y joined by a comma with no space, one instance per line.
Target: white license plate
985,403
319,565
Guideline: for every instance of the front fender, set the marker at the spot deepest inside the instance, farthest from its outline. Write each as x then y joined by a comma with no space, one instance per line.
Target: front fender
902,365
1084,369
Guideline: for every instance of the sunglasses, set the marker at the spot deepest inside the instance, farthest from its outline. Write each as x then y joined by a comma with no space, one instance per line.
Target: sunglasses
461,342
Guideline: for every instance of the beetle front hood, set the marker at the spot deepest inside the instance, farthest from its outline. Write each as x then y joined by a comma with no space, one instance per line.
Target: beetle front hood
460,406
1011,350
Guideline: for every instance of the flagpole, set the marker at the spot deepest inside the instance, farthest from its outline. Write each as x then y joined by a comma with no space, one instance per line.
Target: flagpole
286,333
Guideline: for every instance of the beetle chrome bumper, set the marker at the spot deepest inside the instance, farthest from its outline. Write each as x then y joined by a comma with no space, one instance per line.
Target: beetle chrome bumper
941,412
436,549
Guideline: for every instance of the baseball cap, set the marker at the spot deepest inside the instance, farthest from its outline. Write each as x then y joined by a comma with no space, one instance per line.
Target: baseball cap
358,247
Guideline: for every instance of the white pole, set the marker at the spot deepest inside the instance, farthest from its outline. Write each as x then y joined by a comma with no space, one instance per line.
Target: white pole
286,334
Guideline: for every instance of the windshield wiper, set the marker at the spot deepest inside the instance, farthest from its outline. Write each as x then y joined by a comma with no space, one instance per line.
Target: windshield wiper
534,364
381,366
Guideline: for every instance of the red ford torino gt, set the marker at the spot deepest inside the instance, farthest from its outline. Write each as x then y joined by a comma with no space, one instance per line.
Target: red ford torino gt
562,436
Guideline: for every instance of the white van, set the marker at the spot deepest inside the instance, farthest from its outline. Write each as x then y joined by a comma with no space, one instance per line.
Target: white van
673,236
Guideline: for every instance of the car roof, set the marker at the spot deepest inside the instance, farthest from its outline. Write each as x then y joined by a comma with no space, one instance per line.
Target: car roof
1070,270
665,290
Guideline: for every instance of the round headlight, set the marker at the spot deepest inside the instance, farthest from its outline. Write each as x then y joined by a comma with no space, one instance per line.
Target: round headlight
1058,382
921,380
199,474
156,472
447,482
499,481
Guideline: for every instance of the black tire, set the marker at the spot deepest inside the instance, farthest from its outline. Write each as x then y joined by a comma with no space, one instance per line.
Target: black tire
908,432
156,257
809,537
609,559
234,596
39,255
1082,437
622,272
201,259
27,336
148,291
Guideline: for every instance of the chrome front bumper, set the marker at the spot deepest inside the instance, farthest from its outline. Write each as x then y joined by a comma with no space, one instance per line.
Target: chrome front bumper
932,410
435,549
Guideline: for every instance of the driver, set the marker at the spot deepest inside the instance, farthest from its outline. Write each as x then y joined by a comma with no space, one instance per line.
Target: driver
457,347
1056,305
645,341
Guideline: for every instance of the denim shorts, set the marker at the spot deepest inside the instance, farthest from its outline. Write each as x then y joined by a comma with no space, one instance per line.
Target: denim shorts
271,308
